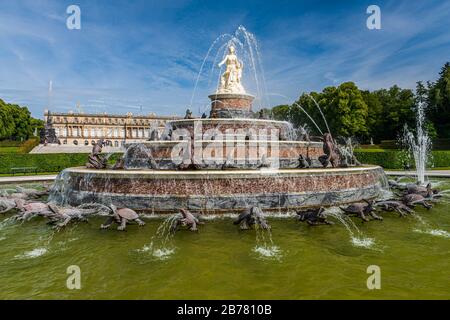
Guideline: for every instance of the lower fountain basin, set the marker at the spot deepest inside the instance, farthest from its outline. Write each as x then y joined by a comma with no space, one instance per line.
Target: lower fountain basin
221,191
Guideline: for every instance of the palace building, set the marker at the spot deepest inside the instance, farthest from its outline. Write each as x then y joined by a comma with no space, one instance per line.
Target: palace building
84,129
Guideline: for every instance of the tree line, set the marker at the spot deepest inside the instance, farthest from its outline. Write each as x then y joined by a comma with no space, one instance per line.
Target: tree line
16,122
373,115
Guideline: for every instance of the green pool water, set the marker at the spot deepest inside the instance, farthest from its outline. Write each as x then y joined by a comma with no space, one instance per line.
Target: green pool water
222,262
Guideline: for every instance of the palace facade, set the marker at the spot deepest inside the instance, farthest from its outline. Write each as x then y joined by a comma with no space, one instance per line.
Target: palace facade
84,129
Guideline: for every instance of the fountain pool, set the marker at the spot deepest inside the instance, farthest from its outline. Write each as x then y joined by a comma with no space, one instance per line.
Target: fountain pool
223,262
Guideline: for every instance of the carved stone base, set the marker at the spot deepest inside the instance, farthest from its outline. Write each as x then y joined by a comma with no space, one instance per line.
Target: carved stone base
231,105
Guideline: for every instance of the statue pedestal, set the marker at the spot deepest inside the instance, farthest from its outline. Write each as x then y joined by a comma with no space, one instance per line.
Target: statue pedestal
231,105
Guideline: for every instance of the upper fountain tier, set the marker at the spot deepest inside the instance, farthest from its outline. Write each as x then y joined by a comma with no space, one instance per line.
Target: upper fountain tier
230,99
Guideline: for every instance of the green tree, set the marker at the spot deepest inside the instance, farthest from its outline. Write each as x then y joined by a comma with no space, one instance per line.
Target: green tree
22,123
398,110
6,121
347,111
281,112
375,123
16,122
439,102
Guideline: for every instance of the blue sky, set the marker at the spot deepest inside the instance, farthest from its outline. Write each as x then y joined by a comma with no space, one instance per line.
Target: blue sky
133,54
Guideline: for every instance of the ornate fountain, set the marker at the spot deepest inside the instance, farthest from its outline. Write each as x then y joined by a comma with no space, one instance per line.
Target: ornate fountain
233,160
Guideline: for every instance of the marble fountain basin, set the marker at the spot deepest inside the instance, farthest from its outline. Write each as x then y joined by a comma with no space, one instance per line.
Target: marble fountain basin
219,191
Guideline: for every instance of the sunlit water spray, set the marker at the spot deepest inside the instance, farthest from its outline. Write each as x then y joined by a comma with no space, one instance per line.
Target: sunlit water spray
247,47
265,247
426,228
357,237
420,144
161,246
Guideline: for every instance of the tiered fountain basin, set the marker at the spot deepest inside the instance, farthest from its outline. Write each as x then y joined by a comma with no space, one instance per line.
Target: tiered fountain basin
245,153
220,191
241,126
246,141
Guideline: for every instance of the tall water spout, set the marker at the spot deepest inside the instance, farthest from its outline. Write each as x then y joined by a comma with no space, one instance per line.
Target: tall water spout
419,145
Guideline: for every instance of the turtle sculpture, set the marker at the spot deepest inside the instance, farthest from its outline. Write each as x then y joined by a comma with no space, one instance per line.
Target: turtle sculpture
331,153
185,219
411,200
313,217
362,209
252,216
122,216
394,205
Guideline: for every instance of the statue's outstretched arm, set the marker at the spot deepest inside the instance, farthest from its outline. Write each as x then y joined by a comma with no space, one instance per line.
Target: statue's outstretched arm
223,61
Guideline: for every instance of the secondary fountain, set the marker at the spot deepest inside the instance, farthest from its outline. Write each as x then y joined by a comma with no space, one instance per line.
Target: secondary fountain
419,145
228,162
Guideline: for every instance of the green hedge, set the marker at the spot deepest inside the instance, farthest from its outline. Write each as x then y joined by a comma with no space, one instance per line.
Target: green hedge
441,159
394,159
437,144
53,162
389,159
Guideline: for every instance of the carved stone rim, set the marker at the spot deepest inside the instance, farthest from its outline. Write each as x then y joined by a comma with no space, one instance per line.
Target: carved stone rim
218,96
187,174
174,142
230,120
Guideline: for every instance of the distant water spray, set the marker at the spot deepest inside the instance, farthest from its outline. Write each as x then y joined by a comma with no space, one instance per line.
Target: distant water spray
419,145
